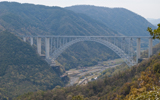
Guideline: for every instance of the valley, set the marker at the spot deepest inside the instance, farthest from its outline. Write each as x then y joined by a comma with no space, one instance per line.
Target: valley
90,73
88,68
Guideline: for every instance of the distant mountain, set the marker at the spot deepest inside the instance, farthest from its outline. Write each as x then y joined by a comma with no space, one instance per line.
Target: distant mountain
37,19
119,19
21,69
29,19
154,21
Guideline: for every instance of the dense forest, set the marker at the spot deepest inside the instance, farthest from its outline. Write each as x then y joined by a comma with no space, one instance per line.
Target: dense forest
121,20
29,19
21,69
138,81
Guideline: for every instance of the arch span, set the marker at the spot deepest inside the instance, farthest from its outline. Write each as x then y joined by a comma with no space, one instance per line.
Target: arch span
128,60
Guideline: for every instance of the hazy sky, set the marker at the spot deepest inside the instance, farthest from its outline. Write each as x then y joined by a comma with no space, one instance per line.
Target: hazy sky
145,8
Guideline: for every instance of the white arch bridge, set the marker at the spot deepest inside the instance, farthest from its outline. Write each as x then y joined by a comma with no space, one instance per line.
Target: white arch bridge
121,45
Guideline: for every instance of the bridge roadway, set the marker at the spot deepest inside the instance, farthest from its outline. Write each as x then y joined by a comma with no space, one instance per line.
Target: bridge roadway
122,45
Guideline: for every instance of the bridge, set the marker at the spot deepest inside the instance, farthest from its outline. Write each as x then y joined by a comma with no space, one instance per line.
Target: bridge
121,45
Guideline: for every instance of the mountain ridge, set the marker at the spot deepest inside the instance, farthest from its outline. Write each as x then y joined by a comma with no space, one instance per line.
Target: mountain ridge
119,19
29,19
50,20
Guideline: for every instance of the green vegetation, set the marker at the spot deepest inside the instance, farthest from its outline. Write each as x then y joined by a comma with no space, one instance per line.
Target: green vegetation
85,54
115,70
29,19
42,20
122,85
140,82
21,69
148,88
119,19
155,33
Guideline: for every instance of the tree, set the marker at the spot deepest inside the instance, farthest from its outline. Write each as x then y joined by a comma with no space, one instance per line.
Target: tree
78,97
147,89
155,33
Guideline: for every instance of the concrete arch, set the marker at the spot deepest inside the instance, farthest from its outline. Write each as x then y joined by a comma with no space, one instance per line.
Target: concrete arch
113,47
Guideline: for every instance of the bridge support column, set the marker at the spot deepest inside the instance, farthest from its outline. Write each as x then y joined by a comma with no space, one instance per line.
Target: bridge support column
47,47
31,40
39,45
150,48
24,39
138,49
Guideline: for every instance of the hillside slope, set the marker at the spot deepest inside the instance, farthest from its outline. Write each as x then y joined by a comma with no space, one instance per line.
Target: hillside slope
29,19
37,20
108,88
21,69
122,20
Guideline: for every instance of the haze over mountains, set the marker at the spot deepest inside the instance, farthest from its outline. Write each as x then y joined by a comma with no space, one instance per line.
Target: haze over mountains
120,19
19,63
29,19
35,19
154,21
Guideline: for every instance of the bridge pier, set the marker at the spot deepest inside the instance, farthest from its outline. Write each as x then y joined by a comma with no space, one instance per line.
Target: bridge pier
31,40
39,45
24,39
57,44
150,48
138,49
47,47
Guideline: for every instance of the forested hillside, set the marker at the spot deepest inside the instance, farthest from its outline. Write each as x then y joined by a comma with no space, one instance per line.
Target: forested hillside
29,19
120,19
21,69
140,81
32,19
